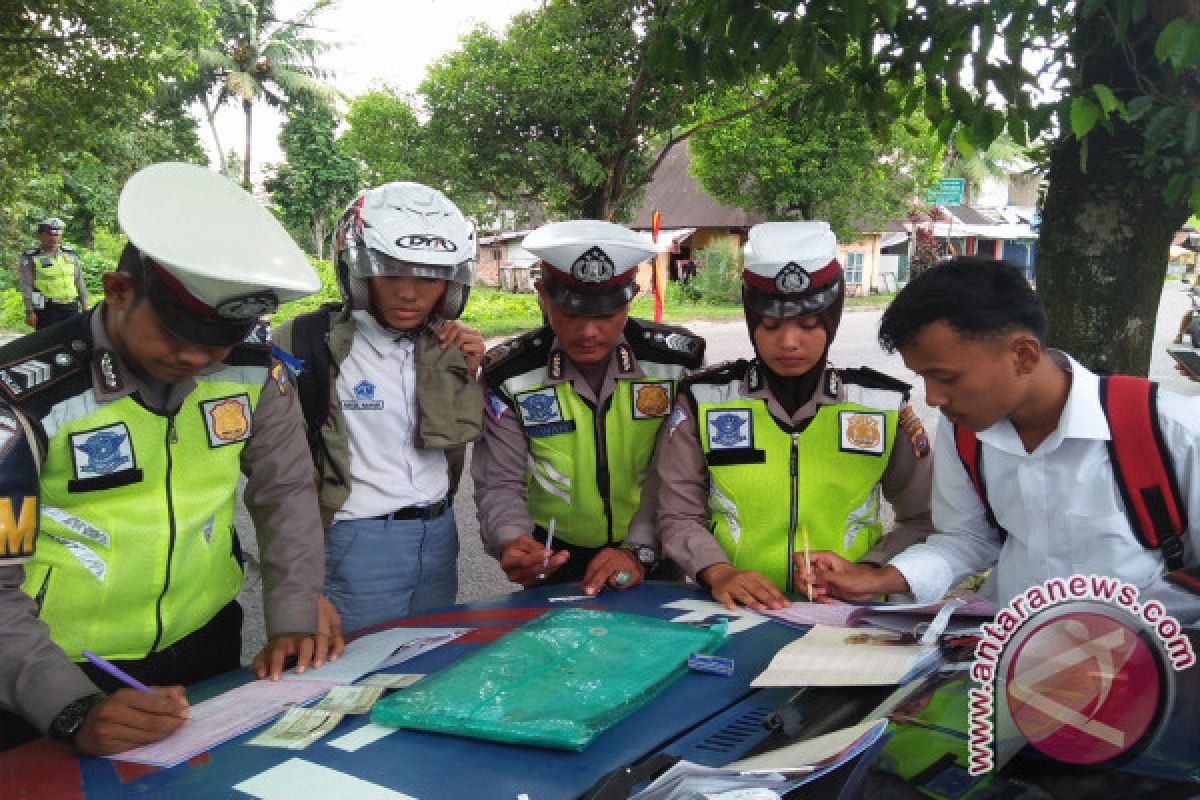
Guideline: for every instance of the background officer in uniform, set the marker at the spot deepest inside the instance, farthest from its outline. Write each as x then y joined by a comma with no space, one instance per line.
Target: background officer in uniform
122,435
51,278
573,409
757,452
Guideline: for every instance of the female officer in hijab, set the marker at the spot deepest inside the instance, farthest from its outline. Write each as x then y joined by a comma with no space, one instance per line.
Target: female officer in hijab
763,454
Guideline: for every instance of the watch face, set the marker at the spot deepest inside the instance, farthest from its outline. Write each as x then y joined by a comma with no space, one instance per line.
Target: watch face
644,554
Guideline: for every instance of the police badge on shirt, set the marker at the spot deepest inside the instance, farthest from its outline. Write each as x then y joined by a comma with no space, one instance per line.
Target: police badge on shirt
541,413
103,458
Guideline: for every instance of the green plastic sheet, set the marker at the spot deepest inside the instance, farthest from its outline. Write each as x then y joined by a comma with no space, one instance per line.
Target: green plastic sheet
558,681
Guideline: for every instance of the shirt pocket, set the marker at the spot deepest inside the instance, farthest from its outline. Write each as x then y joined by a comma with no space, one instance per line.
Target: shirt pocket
1104,544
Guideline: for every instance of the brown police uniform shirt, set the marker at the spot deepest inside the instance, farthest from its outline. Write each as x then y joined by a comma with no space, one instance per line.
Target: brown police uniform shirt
682,478
37,679
499,460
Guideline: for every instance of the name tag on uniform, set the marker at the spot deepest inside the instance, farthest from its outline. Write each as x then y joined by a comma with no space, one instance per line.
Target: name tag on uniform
862,432
729,429
227,420
541,413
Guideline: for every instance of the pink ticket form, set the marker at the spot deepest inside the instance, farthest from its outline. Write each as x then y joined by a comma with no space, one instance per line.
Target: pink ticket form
225,716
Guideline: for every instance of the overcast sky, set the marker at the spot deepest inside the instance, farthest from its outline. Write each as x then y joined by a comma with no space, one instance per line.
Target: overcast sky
382,42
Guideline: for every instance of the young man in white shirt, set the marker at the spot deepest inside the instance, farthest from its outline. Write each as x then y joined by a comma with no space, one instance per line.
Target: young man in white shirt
974,331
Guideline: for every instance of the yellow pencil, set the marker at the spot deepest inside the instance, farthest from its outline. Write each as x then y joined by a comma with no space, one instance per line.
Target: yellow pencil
807,562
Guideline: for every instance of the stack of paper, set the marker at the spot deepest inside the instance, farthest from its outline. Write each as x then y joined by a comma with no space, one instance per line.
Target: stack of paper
780,770
906,618
378,651
827,656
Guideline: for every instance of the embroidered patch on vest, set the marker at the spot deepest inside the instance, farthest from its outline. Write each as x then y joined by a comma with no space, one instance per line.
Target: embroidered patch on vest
227,419
651,400
861,432
729,429
911,424
678,415
496,407
541,414
102,451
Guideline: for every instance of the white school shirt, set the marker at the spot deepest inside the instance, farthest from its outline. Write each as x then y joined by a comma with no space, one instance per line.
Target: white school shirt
376,390
1060,504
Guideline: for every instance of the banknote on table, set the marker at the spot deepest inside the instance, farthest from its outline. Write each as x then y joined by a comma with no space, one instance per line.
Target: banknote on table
350,699
298,728
391,680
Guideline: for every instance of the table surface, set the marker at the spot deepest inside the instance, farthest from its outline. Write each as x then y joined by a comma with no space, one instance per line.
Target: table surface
704,718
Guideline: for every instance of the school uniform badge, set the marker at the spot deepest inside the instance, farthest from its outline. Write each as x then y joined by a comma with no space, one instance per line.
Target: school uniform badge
651,400
227,420
102,451
729,430
862,432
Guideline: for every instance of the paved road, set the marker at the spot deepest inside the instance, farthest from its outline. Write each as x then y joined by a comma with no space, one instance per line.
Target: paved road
855,346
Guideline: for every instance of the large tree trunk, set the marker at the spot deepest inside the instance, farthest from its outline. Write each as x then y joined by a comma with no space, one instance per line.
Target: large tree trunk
248,108
1106,232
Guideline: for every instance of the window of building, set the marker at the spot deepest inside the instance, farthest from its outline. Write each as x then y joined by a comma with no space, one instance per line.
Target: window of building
854,268
497,254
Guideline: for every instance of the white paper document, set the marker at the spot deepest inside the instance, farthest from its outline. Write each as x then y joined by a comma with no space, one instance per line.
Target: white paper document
375,652
827,656
297,779
223,717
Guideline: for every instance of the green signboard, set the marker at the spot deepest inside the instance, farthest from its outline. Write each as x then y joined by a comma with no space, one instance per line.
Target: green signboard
948,192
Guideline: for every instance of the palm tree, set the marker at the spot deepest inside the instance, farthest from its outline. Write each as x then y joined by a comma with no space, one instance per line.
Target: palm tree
1001,157
259,57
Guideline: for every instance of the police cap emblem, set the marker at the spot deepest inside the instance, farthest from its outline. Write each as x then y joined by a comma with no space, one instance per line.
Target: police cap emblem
792,279
594,266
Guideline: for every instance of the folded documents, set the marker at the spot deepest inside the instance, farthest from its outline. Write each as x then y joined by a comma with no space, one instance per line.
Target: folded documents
970,612
377,651
827,656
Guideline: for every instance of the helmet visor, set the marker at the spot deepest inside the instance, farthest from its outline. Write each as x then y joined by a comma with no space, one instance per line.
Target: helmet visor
366,262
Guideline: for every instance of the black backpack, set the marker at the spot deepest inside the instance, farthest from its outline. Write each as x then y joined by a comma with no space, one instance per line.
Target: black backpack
311,350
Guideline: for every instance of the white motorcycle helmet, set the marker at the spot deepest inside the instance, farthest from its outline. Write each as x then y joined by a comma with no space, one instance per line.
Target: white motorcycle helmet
404,228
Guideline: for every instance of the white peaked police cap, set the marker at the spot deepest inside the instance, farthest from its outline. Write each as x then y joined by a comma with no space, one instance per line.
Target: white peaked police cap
791,257
588,264
214,238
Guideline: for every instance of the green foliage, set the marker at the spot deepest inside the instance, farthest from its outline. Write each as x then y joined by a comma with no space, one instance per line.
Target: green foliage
563,107
384,136
257,56
318,178
718,277
799,158
497,312
329,294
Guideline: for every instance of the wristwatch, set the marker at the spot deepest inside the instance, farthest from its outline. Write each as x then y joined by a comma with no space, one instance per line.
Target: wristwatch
645,555
66,723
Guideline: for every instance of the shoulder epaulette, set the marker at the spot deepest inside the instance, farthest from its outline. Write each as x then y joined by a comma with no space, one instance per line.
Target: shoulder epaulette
519,354
66,249
723,372
668,343
874,379
33,251
44,359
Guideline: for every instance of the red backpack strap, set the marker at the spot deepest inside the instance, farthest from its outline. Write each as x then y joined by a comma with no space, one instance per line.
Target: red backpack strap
1143,466
970,452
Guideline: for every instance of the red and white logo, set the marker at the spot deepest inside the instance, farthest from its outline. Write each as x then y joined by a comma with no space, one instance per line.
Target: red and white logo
1083,687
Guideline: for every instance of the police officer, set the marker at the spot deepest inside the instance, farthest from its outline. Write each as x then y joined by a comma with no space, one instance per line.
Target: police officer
759,452
50,278
573,409
122,433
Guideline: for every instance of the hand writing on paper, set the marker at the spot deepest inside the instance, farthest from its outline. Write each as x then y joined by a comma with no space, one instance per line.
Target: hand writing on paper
309,649
834,577
606,567
731,587
522,560
130,718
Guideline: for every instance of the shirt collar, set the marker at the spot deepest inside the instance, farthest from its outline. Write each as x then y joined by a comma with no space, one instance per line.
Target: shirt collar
622,363
829,391
1082,415
383,341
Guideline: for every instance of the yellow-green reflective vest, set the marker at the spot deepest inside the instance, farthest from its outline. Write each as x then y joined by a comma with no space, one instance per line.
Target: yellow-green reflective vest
768,483
585,469
54,277
136,547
